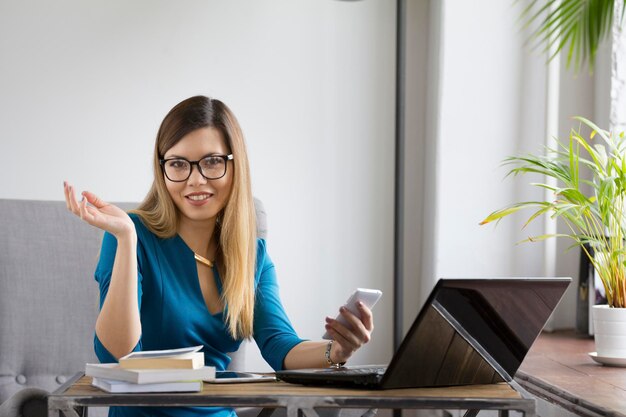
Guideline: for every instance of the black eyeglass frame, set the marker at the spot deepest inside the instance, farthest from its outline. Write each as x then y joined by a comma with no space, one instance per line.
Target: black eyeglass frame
226,158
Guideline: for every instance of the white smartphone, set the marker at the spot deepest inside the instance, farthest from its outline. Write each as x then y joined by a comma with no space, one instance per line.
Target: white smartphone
367,296
233,377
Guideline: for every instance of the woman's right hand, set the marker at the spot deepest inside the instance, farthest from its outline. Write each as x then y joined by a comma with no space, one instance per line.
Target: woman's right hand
97,213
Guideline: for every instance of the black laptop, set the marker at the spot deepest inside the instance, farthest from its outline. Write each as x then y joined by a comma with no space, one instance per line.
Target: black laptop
470,331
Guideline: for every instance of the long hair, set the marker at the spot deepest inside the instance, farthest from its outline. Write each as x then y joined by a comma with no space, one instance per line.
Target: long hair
236,225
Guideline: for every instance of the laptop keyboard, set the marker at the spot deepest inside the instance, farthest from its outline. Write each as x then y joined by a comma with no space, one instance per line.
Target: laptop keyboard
360,371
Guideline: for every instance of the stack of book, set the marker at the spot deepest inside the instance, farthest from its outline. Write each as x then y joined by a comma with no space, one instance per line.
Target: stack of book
172,370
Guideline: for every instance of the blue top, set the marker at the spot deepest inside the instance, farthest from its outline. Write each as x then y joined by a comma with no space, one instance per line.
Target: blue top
174,314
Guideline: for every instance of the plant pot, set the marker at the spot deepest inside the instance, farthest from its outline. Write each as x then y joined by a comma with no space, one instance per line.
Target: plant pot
610,334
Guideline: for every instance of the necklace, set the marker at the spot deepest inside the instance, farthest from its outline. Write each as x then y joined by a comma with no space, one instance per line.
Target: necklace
203,260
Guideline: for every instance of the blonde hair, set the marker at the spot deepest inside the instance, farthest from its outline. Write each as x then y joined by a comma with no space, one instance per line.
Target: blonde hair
236,225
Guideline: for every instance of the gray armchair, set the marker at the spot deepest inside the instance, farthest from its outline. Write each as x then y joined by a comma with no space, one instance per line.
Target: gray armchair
49,301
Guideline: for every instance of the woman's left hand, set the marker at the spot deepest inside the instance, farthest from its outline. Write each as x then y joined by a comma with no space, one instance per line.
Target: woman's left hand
348,341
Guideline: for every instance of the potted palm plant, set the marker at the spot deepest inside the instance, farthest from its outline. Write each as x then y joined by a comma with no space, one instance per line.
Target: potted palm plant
590,199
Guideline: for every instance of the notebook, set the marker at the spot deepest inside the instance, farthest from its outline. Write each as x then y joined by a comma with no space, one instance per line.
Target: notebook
469,331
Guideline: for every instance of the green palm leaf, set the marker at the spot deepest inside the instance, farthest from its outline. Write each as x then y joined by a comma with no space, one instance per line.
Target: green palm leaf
577,25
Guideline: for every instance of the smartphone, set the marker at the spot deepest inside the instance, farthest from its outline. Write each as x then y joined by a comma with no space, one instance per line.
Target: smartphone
367,296
230,377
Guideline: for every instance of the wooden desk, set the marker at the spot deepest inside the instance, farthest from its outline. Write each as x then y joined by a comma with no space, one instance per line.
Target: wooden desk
559,370
77,393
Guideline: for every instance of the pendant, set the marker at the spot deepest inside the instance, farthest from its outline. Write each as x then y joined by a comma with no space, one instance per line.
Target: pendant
203,260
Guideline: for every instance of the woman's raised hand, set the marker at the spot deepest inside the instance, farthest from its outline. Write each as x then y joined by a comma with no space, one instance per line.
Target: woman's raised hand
348,341
97,213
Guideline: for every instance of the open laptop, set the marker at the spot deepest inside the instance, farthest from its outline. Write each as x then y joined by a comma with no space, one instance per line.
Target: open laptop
469,331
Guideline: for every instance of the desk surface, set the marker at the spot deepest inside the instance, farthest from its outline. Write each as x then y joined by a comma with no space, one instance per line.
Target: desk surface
79,393
559,369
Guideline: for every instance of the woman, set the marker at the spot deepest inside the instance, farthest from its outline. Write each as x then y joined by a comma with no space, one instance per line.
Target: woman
186,268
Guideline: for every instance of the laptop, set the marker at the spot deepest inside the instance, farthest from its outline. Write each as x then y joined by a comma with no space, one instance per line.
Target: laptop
469,331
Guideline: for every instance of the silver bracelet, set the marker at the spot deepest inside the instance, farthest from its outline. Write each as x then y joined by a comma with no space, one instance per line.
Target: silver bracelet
328,359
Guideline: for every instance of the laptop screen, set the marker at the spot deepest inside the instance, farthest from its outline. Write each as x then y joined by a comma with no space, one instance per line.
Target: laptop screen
484,327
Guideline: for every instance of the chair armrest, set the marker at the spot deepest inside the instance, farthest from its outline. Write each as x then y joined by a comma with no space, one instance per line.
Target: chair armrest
29,402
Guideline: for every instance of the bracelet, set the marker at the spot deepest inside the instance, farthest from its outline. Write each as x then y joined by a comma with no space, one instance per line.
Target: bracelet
328,359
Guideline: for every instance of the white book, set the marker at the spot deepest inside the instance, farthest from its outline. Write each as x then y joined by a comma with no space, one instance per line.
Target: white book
188,357
147,376
166,353
114,386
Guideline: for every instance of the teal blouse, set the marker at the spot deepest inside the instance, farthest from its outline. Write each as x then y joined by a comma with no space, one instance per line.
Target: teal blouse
173,312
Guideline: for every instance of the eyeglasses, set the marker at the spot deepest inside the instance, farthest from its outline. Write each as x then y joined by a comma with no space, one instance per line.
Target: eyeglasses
211,167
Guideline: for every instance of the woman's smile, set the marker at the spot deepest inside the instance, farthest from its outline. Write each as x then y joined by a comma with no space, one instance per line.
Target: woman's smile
198,198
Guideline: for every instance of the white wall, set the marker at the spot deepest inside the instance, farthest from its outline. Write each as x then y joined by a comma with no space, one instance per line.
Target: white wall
84,86
492,100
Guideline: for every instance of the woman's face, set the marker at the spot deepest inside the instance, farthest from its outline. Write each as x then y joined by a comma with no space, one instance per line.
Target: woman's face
198,198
